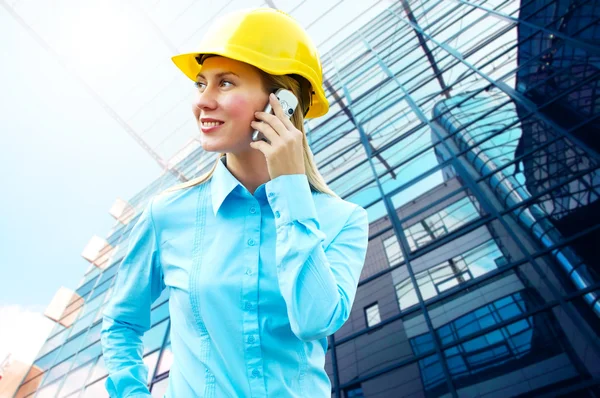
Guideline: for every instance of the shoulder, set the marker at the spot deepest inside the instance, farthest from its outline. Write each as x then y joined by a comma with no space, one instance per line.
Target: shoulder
179,199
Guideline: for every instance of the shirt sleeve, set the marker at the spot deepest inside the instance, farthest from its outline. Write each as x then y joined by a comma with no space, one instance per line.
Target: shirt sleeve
318,284
126,316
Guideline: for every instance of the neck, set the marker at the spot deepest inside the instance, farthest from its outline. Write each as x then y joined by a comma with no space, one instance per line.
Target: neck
250,168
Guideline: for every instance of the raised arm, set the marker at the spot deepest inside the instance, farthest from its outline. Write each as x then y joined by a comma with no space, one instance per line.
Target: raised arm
318,283
126,316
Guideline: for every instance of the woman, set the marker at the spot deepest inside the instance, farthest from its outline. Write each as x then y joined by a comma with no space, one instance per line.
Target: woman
261,258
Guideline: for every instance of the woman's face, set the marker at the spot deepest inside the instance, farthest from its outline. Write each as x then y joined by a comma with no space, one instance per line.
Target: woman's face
229,91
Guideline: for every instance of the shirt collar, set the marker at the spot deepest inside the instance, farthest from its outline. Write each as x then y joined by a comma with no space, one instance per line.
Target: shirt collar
222,183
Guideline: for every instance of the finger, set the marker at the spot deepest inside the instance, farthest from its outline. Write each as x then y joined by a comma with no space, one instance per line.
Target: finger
262,146
278,110
267,130
271,119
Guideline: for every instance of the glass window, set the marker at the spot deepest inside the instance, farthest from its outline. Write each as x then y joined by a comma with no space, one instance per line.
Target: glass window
109,273
91,305
75,380
83,323
166,360
441,223
48,391
150,361
99,369
100,289
31,385
70,348
96,390
471,264
92,273
93,334
58,371
514,346
85,289
159,389
88,353
392,250
54,342
354,392
372,313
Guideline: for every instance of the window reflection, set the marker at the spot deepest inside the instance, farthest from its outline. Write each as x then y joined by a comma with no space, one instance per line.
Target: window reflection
441,223
514,346
372,313
93,334
75,380
159,389
48,391
83,323
99,369
88,353
96,390
439,278
150,361
392,250
166,360
54,342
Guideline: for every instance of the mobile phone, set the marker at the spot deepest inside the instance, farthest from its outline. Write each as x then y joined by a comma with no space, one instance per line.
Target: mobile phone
288,102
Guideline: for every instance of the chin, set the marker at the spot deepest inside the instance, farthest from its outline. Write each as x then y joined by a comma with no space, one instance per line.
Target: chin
212,148
235,145
218,147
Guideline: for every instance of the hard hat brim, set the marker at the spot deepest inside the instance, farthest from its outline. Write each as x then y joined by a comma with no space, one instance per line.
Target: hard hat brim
188,64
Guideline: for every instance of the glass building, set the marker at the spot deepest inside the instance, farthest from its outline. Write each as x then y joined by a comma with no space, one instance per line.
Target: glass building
469,130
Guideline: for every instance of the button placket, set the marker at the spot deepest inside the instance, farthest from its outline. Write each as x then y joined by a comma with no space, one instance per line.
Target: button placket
249,305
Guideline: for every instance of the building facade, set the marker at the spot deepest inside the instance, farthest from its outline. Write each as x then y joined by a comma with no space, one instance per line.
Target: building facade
470,133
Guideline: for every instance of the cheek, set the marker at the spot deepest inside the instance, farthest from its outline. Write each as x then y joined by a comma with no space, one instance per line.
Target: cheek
241,108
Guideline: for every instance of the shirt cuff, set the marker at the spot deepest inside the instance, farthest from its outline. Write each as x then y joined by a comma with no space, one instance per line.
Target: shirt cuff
291,199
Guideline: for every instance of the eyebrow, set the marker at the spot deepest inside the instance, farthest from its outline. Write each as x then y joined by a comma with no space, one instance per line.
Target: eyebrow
217,75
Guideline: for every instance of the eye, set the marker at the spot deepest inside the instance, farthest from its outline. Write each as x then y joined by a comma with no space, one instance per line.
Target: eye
200,85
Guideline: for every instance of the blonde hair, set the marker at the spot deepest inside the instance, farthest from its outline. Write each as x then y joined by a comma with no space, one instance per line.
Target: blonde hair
302,90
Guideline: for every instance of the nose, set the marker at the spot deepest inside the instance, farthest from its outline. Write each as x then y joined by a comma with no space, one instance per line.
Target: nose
207,99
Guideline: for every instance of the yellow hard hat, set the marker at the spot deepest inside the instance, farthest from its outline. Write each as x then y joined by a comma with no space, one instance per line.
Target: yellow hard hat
268,39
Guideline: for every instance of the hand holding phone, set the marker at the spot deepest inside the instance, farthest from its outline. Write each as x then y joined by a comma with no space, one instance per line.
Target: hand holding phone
288,102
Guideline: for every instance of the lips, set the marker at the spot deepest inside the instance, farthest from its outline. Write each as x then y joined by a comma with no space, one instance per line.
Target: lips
210,125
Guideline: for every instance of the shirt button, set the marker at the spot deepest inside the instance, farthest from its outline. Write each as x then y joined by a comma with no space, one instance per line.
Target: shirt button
271,194
248,306
277,215
251,242
253,210
255,373
251,339
248,271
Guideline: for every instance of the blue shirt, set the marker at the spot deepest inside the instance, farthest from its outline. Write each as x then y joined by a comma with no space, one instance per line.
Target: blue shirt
256,284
